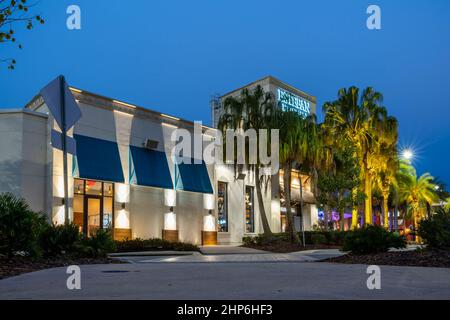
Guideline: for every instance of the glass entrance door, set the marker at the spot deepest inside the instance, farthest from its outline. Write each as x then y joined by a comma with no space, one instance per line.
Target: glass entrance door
93,215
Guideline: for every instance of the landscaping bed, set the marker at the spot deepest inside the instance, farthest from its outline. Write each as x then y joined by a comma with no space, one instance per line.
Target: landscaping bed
286,247
19,265
417,258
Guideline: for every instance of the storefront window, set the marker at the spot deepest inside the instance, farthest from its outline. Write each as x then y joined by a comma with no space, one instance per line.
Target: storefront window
93,206
222,206
93,187
249,210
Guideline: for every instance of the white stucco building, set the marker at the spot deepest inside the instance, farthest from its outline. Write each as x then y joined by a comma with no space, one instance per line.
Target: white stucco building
124,176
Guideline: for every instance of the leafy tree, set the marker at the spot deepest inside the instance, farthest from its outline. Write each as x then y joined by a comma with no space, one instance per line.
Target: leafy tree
14,12
336,185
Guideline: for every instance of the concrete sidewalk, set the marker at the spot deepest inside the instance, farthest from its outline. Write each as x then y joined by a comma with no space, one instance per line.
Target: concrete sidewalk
247,256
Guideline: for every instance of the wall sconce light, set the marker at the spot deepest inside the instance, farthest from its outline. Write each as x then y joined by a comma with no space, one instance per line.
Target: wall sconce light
210,211
123,205
63,201
171,209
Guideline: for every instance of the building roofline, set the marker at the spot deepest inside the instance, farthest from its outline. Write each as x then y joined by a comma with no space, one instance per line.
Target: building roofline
279,82
119,105
23,110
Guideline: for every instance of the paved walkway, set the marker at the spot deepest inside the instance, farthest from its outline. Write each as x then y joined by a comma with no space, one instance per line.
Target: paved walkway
312,280
247,256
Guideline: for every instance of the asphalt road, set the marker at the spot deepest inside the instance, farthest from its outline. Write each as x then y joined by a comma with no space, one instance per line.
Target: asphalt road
232,280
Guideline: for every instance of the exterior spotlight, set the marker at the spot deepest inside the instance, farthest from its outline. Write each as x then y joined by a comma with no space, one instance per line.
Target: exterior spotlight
407,154
123,205
171,209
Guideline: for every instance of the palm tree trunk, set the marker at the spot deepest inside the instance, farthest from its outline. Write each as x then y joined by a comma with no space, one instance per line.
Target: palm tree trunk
290,229
385,208
368,201
301,211
354,210
262,210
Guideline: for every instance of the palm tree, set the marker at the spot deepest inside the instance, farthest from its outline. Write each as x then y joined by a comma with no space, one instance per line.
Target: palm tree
359,120
251,110
384,159
416,191
290,130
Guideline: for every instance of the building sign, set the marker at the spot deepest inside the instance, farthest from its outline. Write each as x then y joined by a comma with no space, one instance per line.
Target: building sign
291,102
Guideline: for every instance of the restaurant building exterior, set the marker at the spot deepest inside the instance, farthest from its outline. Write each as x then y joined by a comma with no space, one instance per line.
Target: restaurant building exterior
123,175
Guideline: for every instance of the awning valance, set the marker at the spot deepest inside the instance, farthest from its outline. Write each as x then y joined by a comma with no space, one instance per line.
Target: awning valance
97,159
149,168
192,177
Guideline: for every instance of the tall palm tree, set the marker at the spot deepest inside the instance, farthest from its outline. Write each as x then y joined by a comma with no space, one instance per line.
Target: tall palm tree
359,120
416,191
290,130
252,109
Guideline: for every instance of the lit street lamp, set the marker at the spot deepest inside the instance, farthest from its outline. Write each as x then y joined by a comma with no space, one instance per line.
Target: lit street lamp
407,154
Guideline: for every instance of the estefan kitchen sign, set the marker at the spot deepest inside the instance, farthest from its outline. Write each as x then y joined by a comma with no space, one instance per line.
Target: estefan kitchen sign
292,102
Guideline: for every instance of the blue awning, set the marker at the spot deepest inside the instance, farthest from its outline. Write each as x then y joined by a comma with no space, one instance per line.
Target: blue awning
149,168
97,159
192,177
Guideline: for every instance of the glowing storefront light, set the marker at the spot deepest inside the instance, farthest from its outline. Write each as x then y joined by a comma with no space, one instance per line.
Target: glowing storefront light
170,221
208,201
209,223
122,220
122,192
170,197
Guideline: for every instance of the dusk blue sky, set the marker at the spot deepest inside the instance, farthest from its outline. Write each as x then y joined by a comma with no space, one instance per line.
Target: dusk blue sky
171,56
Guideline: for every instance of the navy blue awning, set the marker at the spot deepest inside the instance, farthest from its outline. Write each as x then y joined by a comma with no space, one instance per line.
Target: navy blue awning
149,168
192,177
98,159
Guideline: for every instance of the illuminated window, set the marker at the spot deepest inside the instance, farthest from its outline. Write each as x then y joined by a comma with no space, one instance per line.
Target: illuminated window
249,210
222,206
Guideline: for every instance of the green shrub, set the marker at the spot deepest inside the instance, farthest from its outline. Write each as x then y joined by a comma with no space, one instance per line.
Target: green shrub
318,239
372,239
20,227
97,245
435,230
248,241
153,244
59,239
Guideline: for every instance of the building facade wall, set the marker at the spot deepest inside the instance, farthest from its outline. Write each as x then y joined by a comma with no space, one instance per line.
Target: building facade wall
23,157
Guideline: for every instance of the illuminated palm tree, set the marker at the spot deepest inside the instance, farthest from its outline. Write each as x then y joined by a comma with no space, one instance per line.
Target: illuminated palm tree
416,191
359,120
253,109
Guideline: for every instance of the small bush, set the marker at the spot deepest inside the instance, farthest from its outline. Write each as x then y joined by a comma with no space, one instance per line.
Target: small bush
318,239
435,230
153,244
98,245
59,239
20,227
372,239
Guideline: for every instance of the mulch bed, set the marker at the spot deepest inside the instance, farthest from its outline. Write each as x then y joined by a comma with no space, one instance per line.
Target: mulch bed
286,247
18,265
422,258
